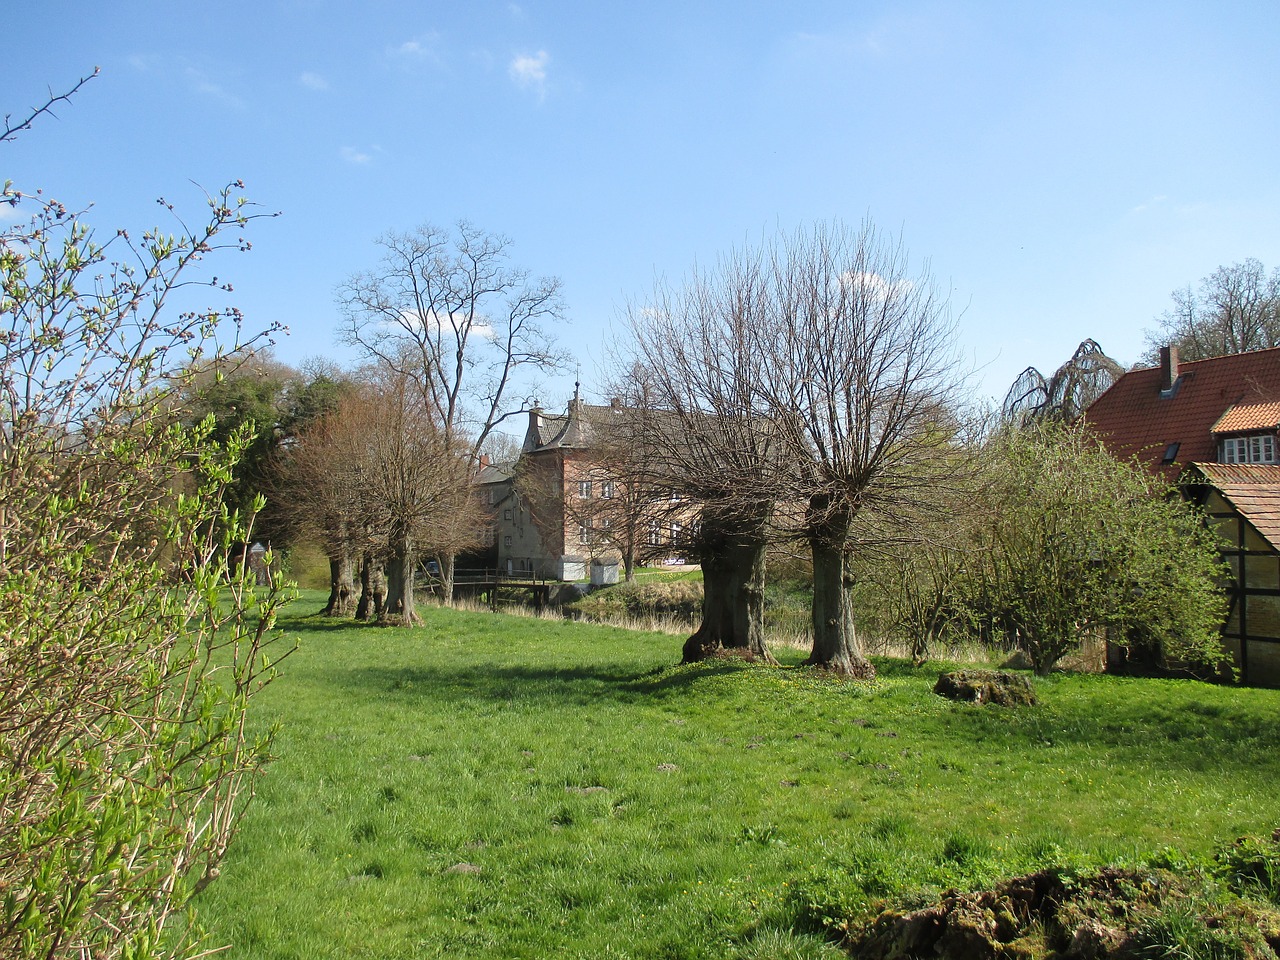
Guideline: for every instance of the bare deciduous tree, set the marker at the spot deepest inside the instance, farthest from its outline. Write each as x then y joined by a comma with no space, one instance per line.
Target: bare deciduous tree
1068,393
692,384
379,478
315,481
860,380
1235,309
448,311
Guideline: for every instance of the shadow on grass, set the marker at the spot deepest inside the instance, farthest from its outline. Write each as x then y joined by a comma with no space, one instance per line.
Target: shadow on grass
550,685
1173,724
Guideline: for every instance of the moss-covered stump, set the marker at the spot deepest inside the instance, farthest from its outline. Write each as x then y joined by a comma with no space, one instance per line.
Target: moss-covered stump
987,686
1114,914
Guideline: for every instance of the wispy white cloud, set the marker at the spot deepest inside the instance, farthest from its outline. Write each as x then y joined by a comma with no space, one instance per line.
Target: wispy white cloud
479,326
873,287
193,76
530,71
357,157
313,81
203,84
422,49
1155,201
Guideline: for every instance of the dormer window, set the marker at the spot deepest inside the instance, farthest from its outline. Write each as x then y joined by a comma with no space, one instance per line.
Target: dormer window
1259,448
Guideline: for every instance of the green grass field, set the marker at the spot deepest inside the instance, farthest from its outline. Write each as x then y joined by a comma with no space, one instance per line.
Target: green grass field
493,786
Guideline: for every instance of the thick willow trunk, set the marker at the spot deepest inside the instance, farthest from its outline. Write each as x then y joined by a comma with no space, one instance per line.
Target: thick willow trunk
341,586
373,589
732,551
401,581
835,640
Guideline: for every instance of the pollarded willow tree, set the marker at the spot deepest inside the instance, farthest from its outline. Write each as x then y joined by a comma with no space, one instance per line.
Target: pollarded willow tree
807,384
860,378
692,373
447,311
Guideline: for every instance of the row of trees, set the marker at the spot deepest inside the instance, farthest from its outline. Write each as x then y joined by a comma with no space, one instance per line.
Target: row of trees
376,464
794,390
801,392
806,391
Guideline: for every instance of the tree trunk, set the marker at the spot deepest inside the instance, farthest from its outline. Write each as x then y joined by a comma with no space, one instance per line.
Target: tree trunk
401,581
448,566
835,640
373,588
628,552
341,586
732,555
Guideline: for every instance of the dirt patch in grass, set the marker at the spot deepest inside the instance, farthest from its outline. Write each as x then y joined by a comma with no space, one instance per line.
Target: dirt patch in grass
1117,913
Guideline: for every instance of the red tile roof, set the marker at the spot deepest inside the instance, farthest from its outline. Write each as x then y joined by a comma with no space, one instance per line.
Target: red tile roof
1253,489
1135,419
1249,416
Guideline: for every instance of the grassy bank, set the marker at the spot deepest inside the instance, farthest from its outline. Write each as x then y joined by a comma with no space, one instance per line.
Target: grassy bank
489,786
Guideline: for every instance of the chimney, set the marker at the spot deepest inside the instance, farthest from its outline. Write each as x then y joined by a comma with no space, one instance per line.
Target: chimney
1168,367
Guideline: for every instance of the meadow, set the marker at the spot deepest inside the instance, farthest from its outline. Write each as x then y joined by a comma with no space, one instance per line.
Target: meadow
489,785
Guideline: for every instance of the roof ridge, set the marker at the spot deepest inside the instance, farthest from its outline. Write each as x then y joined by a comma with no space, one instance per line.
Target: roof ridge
1224,356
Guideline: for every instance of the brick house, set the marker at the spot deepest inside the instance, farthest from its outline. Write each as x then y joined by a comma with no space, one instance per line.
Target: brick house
566,509
1213,426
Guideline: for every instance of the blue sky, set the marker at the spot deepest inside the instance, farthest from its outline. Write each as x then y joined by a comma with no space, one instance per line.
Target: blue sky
1061,167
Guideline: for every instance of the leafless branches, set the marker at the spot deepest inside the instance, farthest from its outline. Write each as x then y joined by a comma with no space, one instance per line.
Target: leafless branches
13,127
798,387
449,311
1235,309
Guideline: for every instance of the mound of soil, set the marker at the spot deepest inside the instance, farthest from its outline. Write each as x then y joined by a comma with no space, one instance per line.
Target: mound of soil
987,686
1114,914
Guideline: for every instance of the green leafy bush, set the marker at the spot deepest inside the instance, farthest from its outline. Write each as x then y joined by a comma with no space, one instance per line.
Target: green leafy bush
127,663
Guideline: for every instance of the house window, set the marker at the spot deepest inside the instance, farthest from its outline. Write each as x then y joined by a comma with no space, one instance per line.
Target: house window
506,514
675,532
606,489
584,533
654,533
584,489
1256,449
506,541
